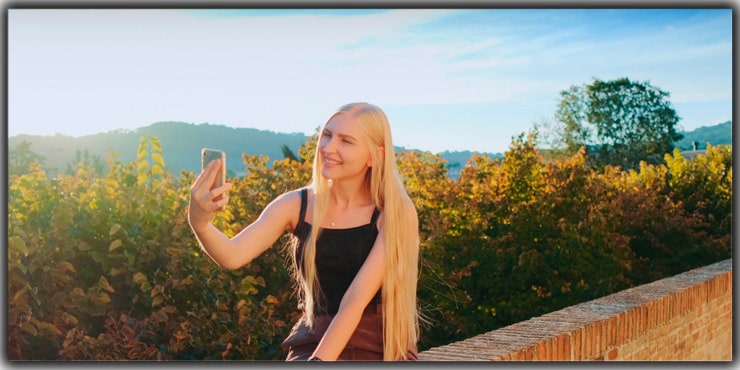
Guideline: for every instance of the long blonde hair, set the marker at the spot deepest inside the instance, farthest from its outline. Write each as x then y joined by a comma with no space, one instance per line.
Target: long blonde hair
400,314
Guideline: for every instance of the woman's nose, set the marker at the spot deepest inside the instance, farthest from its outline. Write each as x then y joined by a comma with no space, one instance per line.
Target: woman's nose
330,145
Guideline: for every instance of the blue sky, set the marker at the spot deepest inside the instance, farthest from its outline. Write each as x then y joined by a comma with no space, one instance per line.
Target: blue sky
448,79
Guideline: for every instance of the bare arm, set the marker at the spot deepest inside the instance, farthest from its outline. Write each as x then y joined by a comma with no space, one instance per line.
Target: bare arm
231,253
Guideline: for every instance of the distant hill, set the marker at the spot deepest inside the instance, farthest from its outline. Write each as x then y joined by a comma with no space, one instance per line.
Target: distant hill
182,142
715,135
181,145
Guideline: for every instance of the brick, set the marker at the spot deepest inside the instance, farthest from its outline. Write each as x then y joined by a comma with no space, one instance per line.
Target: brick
612,354
562,350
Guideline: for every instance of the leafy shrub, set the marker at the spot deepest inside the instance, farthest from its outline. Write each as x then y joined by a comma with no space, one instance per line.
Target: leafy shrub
103,266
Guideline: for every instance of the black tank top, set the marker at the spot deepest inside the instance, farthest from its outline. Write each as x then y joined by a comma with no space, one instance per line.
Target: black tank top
339,255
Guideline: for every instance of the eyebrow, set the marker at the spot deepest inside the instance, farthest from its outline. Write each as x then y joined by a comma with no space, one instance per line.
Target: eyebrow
340,135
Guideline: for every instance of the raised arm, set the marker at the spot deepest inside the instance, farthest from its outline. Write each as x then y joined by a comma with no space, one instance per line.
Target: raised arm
231,253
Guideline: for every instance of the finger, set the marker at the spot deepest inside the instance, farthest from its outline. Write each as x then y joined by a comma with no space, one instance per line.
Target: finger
221,204
207,203
221,189
214,196
208,176
211,169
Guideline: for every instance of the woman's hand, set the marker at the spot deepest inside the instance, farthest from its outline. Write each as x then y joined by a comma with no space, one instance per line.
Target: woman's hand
205,201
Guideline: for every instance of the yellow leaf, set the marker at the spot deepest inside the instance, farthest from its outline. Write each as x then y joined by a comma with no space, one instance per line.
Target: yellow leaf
226,338
29,328
66,266
18,295
156,301
114,229
115,245
158,159
157,290
69,319
157,170
77,292
272,300
104,284
142,166
104,298
16,243
180,335
140,278
141,152
49,328
156,145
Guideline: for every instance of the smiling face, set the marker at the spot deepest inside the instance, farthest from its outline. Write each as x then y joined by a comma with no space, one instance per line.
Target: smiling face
343,149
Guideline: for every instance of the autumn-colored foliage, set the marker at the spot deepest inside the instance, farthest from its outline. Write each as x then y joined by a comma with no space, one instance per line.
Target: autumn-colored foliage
103,266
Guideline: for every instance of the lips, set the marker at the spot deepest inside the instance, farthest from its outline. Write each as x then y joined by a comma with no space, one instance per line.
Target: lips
331,162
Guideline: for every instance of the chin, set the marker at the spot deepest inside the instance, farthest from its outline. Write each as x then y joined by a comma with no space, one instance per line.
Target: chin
327,175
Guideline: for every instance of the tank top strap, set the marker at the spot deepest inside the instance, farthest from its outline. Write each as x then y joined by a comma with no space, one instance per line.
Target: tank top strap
374,219
304,202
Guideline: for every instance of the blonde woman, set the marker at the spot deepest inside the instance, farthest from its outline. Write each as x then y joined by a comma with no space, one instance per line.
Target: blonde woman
357,271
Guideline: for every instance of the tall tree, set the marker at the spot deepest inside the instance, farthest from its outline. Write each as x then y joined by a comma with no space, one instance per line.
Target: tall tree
620,122
20,157
289,154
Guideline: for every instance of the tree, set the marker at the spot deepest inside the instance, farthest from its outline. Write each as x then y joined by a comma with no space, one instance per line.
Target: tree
84,157
620,122
289,154
20,157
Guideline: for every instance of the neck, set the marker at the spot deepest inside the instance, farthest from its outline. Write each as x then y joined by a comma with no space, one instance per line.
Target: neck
348,193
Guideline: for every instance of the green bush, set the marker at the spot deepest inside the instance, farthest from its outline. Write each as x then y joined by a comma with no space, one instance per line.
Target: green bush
103,266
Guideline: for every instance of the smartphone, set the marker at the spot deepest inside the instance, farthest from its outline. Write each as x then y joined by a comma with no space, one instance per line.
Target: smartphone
208,155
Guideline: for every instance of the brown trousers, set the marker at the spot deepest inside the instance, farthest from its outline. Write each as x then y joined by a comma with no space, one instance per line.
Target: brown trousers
365,344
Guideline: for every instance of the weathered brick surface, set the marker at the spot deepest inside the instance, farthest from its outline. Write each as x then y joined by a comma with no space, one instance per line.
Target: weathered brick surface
687,317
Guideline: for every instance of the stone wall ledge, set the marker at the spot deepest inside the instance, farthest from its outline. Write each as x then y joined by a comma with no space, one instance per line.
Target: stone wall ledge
684,317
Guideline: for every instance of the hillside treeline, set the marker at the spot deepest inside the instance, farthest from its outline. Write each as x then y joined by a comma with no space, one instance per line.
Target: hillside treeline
181,143
103,265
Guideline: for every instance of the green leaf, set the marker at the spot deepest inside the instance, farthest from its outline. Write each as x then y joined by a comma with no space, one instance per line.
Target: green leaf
17,244
83,246
129,256
29,328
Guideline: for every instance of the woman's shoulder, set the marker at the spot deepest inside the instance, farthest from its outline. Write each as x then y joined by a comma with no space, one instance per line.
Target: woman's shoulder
286,207
290,198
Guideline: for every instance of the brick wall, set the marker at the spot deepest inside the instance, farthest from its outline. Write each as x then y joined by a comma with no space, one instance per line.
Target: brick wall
687,317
